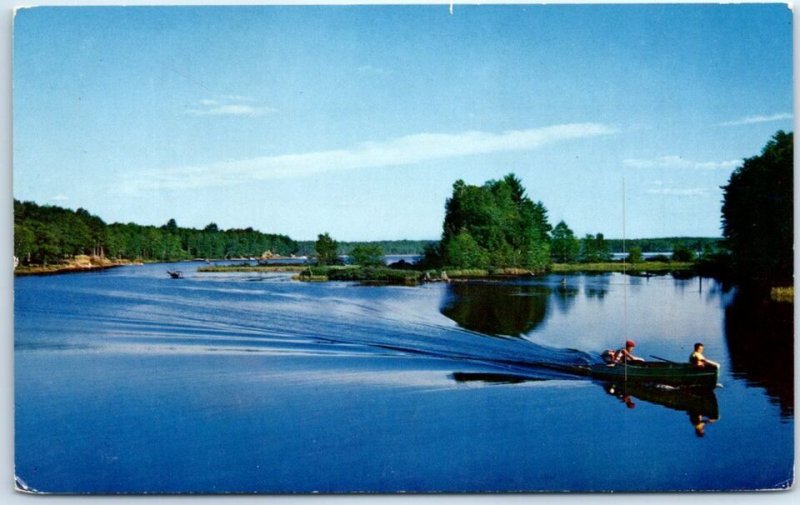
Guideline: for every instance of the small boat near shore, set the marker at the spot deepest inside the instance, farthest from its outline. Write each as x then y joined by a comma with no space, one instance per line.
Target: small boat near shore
679,375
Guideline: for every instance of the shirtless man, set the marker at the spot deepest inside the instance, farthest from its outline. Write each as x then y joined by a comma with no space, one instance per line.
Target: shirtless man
697,359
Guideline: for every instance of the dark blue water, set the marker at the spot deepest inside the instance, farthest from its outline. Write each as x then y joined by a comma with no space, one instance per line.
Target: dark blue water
129,381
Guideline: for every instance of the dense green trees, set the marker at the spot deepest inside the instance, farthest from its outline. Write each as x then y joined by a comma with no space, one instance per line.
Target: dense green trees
327,250
564,246
367,255
757,208
682,253
664,244
308,247
49,234
463,251
495,225
595,249
635,255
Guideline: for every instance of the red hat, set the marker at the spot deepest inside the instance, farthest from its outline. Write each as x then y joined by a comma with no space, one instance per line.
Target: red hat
630,343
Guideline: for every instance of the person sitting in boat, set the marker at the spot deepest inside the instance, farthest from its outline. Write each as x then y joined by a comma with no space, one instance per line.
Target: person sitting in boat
698,360
625,355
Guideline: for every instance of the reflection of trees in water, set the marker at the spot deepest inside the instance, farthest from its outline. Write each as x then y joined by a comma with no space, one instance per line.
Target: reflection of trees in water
683,275
496,309
564,296
760,341
596,286
635,280
684,284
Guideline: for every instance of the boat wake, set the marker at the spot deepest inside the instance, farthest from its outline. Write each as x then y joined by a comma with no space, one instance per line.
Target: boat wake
232,314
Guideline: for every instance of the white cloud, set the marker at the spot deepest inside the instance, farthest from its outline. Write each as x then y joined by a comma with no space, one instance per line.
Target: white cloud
679,162
238,98
406,150
757,119
230,105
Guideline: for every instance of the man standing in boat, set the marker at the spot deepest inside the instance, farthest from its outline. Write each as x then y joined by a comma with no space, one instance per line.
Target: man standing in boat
625,355
698,360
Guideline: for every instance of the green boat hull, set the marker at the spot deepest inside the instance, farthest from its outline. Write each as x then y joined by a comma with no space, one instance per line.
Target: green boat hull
670,374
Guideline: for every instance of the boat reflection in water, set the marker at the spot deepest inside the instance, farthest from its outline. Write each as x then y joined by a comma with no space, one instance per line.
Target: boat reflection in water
493,378
701,405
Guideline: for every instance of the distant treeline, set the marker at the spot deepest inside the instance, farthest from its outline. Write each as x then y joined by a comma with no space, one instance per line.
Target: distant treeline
49,234
647,245
391,247
666,244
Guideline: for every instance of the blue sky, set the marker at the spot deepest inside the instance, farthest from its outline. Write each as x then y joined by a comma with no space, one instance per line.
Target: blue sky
357,120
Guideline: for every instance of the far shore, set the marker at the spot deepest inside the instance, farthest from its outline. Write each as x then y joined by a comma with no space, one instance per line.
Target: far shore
411,276
642,267
74,265
89,263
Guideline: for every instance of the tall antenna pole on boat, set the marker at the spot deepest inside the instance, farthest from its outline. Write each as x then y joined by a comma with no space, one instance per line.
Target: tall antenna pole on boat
623,224
624,276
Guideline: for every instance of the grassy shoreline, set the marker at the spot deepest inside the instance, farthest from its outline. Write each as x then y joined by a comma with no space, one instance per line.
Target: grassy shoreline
642,267
413,277
252,268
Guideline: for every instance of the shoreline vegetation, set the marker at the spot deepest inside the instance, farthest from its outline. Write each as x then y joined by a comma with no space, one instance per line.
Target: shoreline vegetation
414,276
84,263
80,263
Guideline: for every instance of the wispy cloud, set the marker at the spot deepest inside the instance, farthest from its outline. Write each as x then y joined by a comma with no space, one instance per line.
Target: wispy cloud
405,150
757,119
230,105
679,162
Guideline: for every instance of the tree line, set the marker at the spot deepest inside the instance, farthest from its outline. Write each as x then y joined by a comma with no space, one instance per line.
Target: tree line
666,244
50,234
394,247
757,214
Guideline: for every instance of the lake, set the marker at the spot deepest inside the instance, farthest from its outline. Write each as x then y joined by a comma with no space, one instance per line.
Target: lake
129,381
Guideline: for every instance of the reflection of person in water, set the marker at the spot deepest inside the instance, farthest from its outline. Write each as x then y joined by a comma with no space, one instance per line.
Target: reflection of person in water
701,407
698,360
621,394
699,422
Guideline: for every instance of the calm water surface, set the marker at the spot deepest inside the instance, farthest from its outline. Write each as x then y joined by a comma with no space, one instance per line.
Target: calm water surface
128,381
